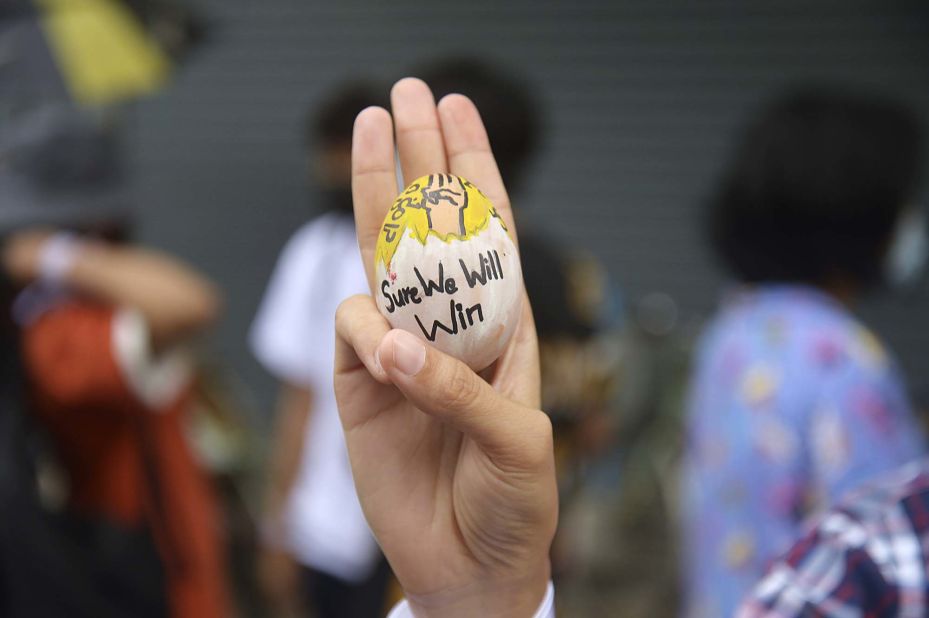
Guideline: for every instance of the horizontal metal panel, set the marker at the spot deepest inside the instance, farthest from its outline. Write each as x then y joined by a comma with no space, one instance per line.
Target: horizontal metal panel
641,101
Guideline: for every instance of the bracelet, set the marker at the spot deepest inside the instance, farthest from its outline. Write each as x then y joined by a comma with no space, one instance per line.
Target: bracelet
57,256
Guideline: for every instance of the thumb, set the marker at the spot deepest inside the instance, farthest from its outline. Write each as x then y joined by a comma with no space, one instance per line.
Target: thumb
445,388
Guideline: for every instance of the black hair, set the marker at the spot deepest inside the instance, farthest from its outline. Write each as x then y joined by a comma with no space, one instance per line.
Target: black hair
331,122
548,284
507,106
815,189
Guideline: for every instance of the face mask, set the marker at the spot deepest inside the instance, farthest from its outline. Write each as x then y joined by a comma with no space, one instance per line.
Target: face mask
908,249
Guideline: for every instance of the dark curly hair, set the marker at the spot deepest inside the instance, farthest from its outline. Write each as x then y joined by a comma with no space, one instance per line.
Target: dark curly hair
815,188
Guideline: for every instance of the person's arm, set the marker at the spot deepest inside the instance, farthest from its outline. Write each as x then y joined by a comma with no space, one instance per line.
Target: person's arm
455,472
277,570
174,300
286,450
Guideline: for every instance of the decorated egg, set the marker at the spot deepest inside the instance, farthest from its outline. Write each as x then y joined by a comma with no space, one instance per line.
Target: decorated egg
447,270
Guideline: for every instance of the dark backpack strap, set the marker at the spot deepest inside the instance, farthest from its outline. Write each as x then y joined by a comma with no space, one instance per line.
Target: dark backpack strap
56,564
40,574
175,566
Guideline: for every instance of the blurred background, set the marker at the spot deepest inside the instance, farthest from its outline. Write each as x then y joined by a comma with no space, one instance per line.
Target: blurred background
637,106
641,100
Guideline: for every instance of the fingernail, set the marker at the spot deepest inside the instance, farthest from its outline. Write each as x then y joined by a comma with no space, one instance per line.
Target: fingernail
377,361
409,353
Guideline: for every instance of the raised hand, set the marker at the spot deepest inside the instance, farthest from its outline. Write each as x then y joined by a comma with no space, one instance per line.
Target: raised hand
455,473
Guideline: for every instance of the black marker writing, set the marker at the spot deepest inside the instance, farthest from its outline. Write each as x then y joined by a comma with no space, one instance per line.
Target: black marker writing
489,268
443,284
400,298
390,231
460,317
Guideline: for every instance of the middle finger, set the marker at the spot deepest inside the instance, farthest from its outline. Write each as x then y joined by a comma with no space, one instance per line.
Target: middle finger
419,138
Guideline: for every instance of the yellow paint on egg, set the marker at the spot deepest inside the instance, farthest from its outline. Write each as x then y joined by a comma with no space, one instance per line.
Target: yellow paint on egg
441,205
447,270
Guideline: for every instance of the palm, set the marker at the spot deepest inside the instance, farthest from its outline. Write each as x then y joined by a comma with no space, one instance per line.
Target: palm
415,474
445,509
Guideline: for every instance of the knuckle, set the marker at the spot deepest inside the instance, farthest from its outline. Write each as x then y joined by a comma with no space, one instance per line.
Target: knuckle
539,440
347,310
461,388
342,314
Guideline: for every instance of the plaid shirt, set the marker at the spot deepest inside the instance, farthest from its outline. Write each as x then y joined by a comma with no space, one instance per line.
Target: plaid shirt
868,557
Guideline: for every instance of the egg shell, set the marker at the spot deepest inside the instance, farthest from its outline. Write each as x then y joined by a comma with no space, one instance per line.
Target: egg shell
448,271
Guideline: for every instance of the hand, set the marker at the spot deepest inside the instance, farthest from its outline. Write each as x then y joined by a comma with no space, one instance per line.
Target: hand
456,474
22,252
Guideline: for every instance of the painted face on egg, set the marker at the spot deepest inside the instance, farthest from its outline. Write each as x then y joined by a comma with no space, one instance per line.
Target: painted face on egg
447,269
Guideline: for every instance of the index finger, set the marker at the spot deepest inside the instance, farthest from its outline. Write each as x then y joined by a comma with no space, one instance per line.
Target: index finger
374,179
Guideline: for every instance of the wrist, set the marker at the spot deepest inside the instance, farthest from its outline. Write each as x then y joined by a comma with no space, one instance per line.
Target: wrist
518,597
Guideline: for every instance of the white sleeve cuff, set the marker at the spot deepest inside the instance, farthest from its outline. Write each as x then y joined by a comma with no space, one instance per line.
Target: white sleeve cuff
155,380
546,609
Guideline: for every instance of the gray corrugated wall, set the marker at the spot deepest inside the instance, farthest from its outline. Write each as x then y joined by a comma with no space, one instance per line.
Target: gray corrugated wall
642,99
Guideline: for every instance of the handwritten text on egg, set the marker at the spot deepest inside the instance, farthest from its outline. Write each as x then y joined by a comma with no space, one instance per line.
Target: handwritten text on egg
459,317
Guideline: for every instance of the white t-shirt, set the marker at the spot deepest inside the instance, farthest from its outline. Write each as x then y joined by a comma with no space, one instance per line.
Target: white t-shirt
293,336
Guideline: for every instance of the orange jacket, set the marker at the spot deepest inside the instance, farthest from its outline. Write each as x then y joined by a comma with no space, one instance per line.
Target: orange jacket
85,399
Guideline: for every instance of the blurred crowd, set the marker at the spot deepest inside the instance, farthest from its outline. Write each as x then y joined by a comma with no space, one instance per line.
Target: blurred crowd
689,455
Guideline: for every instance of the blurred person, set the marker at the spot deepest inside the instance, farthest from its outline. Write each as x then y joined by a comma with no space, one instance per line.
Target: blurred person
317,550
618,536
97,329
793,402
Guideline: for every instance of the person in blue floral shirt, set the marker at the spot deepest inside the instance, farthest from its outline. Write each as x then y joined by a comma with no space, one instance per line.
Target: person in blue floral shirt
793,402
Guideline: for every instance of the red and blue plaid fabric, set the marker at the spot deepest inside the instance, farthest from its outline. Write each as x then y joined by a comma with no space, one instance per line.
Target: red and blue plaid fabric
867,558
